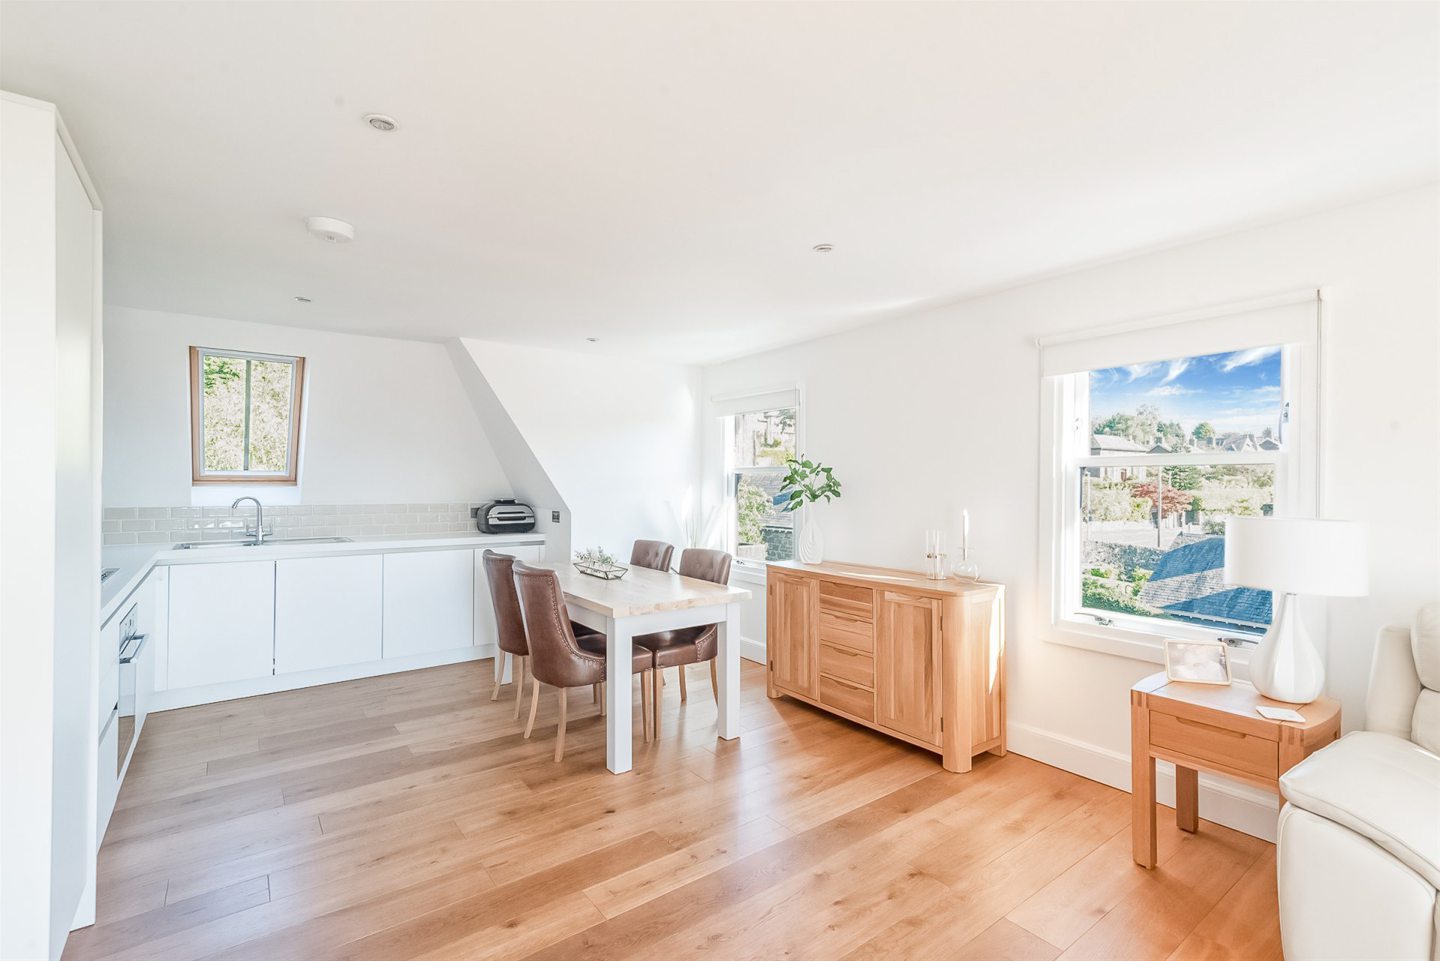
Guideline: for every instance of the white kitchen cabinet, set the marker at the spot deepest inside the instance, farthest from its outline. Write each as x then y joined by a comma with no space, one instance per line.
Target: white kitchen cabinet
429,602
222,622
484,607
327,611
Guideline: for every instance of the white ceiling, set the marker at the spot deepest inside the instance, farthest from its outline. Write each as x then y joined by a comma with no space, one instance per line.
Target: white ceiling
656,174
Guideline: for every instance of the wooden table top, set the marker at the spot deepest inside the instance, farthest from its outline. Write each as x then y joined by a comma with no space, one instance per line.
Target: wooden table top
1237,699
641,591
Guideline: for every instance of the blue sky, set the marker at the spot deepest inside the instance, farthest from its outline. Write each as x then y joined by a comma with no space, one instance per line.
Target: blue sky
1237,391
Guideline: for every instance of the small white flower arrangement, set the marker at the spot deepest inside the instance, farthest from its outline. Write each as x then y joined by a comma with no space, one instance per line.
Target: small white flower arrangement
597,562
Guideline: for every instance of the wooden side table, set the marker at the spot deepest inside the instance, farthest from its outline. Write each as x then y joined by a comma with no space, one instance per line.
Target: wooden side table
1208,727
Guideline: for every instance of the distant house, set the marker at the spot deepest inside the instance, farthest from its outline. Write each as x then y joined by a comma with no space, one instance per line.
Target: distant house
1189,583
1112,444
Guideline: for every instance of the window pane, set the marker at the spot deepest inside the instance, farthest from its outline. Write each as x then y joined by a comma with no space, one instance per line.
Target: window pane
760,443
1223,402
270,385
1152,542
224,413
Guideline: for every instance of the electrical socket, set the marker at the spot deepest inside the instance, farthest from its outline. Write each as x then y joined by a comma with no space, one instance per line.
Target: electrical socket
554,517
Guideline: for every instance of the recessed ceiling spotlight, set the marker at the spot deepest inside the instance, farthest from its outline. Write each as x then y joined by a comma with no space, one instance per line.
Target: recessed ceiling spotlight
302,300
330,229
381,122
823,248
593,340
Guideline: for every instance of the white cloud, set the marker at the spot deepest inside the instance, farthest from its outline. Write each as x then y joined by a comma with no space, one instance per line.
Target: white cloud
1137,371
1177,367
1244,358
1170,390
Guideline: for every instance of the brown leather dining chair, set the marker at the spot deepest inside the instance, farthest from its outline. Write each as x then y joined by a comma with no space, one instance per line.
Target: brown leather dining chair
510,635
556,658
689,645
652,554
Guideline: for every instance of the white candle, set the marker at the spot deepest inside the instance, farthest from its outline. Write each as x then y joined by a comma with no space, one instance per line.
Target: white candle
965,533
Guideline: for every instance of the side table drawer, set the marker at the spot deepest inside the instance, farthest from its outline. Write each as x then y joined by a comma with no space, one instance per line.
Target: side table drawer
1206,742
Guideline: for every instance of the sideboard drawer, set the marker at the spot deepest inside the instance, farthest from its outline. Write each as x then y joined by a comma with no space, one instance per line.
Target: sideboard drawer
847,697
847,665
847,599
843,630
1218,745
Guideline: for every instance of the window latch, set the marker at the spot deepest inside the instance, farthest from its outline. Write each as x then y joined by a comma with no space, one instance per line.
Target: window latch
1104,621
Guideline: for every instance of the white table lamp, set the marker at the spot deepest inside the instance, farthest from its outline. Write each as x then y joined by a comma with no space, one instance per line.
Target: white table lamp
1289,556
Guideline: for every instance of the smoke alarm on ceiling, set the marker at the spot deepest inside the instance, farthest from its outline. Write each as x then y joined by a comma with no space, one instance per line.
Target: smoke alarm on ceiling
330,229
381,122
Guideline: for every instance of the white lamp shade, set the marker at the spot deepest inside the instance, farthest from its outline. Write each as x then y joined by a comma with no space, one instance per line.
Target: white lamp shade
1295,556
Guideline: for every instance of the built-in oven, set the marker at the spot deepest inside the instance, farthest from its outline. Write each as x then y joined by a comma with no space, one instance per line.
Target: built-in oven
136,681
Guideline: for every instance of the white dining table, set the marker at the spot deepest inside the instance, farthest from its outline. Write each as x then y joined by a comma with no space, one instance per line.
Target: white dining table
643,602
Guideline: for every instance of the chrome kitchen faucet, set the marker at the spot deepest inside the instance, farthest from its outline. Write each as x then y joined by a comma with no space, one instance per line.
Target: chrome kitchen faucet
259,531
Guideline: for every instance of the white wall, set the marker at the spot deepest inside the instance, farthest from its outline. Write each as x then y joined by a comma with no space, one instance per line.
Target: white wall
941,409
386,420
617,437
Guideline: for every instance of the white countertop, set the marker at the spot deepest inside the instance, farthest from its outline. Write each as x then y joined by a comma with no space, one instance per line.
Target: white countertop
135,561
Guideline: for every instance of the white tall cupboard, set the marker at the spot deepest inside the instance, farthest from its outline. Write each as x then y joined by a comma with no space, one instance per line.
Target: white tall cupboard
50,371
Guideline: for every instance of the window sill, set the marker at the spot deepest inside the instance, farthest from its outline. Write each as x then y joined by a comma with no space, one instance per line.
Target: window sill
1133,645
748,573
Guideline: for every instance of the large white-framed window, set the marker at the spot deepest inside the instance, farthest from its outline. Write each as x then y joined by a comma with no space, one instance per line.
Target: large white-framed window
759,432
1153,434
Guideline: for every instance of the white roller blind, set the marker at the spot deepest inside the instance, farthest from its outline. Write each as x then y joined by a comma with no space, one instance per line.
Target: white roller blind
1291,319
770,399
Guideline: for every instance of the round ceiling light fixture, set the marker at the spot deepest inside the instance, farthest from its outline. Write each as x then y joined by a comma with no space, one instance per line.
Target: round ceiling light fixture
331,230
823,248
381,122
301,300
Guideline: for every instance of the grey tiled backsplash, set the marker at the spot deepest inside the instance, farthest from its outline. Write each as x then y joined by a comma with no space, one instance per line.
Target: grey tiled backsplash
165,525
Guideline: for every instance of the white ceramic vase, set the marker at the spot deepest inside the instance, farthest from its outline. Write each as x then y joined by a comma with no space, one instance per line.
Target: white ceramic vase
1286,666
810,544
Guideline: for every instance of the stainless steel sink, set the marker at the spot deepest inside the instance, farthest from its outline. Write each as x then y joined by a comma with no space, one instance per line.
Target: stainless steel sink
268,542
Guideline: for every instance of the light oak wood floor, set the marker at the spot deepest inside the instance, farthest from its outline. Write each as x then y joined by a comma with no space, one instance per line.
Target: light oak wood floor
405,817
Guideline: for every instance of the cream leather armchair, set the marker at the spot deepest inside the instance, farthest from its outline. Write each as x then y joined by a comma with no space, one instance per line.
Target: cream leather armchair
1359,844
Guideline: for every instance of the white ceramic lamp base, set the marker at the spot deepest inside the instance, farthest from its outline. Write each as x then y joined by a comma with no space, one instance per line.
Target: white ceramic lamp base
1286,666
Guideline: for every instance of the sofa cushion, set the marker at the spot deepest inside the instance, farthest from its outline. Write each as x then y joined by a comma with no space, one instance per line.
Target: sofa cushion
1425,644
1381,787
1425,723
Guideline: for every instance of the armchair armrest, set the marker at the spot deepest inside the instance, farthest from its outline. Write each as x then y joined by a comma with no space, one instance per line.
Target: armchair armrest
1384,788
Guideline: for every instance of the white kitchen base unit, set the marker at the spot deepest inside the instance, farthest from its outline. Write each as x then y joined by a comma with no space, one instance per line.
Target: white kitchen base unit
429,602
222,622
327,612
272,684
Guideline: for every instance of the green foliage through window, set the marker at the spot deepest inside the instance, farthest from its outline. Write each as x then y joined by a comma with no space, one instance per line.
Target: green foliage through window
247,405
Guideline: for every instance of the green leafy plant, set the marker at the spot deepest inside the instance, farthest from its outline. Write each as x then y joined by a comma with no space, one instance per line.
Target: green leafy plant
808,482
751,503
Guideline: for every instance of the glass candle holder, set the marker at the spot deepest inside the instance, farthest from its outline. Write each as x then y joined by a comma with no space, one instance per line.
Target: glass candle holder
967,568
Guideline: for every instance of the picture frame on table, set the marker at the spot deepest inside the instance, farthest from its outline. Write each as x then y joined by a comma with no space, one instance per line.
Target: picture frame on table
1197,662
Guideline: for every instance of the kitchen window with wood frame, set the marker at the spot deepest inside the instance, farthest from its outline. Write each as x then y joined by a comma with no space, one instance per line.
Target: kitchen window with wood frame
244,417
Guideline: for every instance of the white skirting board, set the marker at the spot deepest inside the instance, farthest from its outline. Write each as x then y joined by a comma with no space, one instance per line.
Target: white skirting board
1239,806
752,650
208,694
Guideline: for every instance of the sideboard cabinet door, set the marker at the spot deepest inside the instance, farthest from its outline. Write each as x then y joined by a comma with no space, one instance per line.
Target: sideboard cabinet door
907,666
792,633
